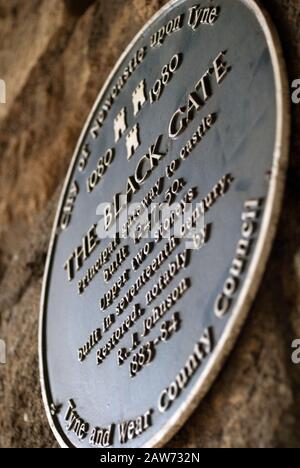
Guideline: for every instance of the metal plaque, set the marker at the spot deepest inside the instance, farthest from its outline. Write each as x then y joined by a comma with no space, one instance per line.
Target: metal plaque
164,226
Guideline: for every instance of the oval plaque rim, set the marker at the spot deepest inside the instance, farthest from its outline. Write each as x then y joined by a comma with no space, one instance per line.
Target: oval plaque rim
258,262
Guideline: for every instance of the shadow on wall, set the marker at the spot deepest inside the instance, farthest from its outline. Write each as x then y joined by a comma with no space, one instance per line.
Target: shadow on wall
78,7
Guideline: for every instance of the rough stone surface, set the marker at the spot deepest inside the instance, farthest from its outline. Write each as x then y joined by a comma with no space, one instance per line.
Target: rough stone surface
55,57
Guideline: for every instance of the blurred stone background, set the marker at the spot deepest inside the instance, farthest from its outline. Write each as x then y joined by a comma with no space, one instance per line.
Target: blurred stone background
54,57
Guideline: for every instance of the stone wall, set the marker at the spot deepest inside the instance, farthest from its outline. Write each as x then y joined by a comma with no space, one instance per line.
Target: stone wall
54,57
